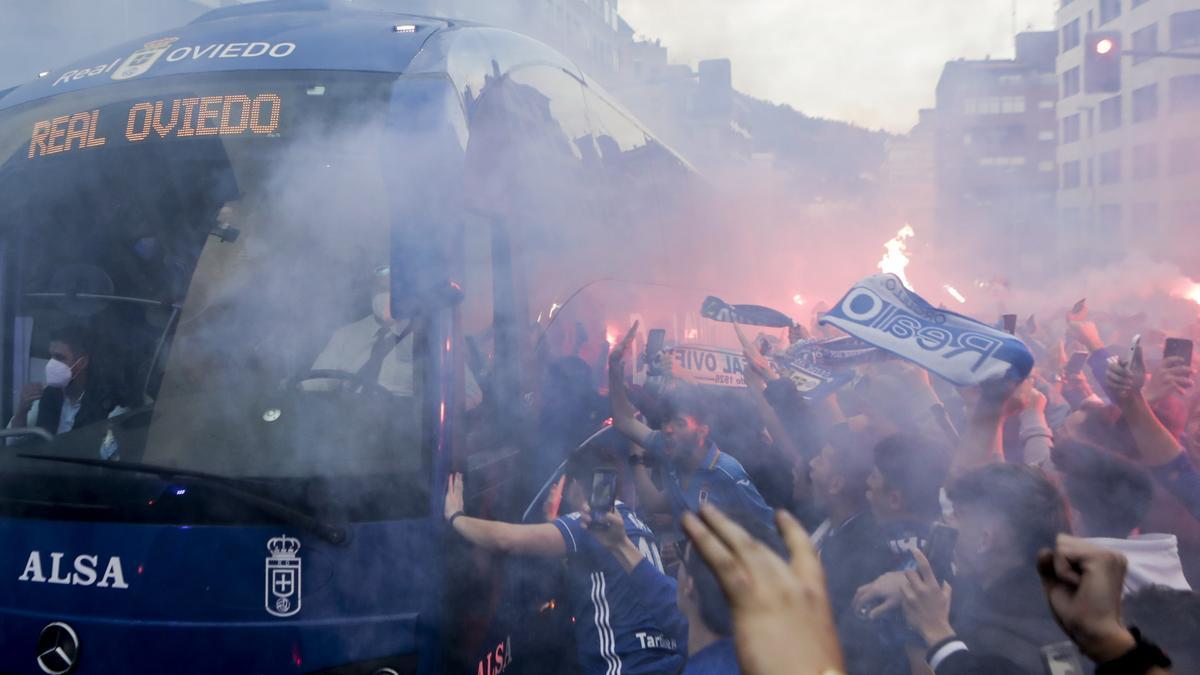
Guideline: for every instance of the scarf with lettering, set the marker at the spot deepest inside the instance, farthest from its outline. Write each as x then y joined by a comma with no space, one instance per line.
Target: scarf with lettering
880,311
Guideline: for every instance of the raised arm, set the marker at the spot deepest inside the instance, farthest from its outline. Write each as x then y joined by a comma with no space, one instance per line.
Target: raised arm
542,539
650,498
981,440
624,414
757,374
1157,448
1156,445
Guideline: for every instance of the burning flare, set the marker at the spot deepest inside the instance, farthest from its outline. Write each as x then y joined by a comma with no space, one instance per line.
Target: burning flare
1187,289
1193,293
955,294
894,261
798,299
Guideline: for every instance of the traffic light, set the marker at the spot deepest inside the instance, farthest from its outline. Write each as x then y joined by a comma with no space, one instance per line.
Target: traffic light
1102,62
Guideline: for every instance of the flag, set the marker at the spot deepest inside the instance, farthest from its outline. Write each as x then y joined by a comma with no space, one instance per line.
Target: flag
750,315
880,311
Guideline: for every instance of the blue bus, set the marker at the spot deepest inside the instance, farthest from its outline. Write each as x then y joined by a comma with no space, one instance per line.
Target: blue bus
265,279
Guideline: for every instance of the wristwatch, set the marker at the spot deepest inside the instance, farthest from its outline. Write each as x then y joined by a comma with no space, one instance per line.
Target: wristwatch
635,460
1144,656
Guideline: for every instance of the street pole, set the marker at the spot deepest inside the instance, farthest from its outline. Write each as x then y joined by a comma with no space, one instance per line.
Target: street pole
1192,56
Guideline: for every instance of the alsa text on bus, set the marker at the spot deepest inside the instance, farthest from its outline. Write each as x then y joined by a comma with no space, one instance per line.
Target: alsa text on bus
86,571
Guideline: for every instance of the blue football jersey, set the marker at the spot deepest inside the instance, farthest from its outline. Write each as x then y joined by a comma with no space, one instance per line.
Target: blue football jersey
719,480
625,622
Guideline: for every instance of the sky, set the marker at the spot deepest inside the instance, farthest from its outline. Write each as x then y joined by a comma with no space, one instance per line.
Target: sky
871,62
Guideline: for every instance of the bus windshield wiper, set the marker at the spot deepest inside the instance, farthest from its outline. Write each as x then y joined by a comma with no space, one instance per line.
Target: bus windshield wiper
234,487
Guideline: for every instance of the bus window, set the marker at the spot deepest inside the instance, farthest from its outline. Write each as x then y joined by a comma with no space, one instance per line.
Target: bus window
511,51
555,106
616,134
468,63
220,302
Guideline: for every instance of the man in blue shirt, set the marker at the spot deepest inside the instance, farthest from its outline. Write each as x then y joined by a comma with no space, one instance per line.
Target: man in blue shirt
618,627
709,622
694,470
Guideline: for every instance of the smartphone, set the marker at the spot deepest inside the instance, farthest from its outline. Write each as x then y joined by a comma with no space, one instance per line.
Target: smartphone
1178,347
939,550
604,492
1010,323
1134,346
1079,311
1076,363
655,340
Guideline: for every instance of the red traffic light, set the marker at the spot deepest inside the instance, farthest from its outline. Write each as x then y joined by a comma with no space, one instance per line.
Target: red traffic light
1102,62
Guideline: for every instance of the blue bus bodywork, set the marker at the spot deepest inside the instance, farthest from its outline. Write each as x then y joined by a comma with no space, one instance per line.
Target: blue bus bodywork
220,543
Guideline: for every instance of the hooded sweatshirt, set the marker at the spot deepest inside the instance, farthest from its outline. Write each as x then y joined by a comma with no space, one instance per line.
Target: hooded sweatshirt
1153,561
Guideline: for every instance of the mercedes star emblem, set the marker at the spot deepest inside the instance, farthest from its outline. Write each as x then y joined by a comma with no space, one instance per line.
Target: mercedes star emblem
57,649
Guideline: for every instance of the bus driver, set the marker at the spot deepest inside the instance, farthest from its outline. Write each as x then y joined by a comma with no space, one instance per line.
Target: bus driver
377,348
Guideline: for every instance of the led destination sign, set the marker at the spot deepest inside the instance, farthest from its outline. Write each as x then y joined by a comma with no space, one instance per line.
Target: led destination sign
228,115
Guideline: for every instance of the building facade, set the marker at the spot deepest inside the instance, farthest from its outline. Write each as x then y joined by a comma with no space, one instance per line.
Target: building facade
1130,160
909,174
995,153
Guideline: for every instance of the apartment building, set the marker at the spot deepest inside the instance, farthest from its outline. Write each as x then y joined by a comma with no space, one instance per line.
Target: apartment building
1129,160
995,151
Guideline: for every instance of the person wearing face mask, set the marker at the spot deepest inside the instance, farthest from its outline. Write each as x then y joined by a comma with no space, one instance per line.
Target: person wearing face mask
376,348
63,403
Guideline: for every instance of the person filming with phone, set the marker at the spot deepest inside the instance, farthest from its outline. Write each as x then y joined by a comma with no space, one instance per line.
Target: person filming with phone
618,627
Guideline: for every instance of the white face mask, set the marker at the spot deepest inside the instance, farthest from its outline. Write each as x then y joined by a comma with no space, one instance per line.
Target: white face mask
58,374
380,307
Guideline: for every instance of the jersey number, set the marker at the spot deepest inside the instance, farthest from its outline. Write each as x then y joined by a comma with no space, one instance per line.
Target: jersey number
649,551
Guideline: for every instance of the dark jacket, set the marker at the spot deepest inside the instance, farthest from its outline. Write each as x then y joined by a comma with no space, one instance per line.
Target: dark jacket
877,646
95,406
851,557
1010,619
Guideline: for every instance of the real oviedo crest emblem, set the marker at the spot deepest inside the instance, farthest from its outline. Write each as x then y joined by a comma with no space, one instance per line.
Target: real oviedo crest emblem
141,60
283,576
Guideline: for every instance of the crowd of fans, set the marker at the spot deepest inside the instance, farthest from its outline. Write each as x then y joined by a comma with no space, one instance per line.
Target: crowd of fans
900,525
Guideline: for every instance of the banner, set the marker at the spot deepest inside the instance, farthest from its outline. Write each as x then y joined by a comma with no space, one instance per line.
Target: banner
710,365
880,311
715,366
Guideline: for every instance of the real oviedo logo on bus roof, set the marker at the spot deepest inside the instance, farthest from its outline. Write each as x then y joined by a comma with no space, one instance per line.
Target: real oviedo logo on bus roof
141,60
283,576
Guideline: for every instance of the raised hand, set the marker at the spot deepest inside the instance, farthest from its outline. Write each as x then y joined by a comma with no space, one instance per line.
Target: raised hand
1085,333
30,393
781,616
1124,379
1083,584
926,602
616,357
755,361
1173,376
454,495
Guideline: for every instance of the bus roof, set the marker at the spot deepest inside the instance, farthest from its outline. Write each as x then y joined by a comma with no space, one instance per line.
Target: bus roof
272,35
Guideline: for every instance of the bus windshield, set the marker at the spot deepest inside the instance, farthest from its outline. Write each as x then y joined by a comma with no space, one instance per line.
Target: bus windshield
201,272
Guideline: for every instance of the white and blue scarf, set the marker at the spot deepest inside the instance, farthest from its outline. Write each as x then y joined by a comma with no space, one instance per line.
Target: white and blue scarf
879,310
